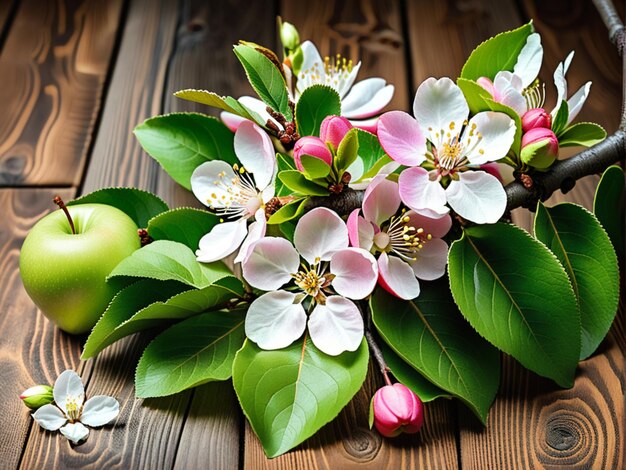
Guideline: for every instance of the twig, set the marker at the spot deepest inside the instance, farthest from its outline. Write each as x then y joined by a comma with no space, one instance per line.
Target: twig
378,355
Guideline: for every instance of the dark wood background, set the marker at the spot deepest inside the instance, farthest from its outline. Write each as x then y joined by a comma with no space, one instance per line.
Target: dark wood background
77,76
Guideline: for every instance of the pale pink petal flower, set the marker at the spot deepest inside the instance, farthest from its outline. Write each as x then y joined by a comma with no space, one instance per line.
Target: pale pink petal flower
397,277
355,273
337,326
319,234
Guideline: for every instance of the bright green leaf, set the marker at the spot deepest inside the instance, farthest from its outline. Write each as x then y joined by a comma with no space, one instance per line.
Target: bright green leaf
184,225
124,305
182,141
348,150
516,294
297,182
430,334
166,260
125,317
582,246
198,350
370,150
139,205
227,103
584,134
316,103
496,54
560,120
265,78
474,94
407,375
301,390
288,212
314,167
285,162
609,205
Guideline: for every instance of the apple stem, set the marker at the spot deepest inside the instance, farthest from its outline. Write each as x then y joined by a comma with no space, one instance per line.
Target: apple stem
59,202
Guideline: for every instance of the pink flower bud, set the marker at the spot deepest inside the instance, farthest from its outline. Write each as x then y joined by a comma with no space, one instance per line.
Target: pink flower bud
397,409
536,117
540,148
313,146
334,129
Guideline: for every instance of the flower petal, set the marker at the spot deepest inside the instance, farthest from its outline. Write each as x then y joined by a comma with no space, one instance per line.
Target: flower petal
345,84
231,120
255,151
319,234
256,231
355,272
360,231
420,194
49,417
75,432
369,125
509,90
366,98
402,138
529,60
431,260
210,183
440,105
270,264
381,200
221,241
68,386
337,326
397,277
560,82
477,196
99,410
436,227
497,131
275,320
312,66
575,103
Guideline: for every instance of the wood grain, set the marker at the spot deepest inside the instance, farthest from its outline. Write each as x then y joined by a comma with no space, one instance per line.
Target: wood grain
31,349
361,30
146,433
54,65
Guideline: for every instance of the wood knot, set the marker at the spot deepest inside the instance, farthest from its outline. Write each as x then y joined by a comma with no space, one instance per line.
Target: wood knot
562,434
363,444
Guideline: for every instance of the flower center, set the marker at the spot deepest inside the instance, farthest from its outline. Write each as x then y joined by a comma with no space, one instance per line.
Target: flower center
73,410
381,240
313,279
535,94
404,239
239,197
336,72
449,155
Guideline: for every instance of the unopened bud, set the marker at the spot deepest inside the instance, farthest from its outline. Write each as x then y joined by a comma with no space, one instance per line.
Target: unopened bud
37,396
333,129
289,36
536,117
396,410
540,148
314,147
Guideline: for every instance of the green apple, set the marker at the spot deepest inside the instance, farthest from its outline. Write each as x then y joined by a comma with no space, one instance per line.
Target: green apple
65,272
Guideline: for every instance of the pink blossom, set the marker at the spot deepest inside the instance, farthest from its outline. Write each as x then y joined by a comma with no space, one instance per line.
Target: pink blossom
540,148
396,410
313,146
409,244
334,129
536,117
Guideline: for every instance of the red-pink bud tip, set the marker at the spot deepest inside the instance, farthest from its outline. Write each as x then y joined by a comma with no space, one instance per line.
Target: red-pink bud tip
396,410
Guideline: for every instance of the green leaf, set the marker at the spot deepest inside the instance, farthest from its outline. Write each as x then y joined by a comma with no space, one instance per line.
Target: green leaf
184,225
265,78
370,150
297,182
288,394
314,104
373,171
227,103
314,167
516,294
288,211
182,141
285,162
198,350
582,246
609,205
348,150
407,375
125,303
474,94
496,54
166,260
125,317
429,334
584,134
560,120
138,204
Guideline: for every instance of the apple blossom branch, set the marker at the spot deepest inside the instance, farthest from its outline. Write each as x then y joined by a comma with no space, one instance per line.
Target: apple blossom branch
564,173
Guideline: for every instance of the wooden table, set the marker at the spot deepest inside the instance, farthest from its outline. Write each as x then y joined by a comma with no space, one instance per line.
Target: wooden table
77,76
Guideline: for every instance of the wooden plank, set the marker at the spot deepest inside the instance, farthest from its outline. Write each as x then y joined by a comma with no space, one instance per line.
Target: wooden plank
204,59
533,423
147,431
5,13
371,32
54,65
31,352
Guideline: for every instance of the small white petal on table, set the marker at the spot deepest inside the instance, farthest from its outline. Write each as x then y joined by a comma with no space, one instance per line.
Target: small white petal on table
68,385
99,410
75,432
49,417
